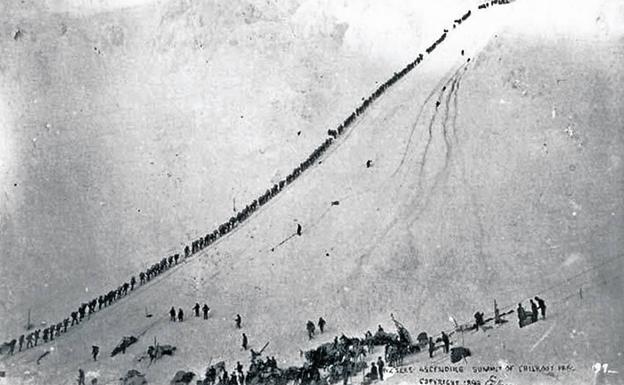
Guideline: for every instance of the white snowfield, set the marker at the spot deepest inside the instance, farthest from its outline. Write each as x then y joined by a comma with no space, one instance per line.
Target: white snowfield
486,195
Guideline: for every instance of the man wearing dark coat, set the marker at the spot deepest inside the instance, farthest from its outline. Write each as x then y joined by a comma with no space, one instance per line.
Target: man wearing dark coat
374,374
534,311
310,328
521,314
431,347
380,368
238,321
321,324
245,341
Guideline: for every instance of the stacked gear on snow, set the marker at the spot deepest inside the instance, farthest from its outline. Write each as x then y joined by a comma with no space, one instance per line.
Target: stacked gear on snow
133,377
182,378
123,345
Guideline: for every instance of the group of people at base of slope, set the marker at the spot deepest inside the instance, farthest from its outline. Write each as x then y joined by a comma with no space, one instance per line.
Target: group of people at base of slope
179,315
311,329
376,371
219,375
523,315
351,352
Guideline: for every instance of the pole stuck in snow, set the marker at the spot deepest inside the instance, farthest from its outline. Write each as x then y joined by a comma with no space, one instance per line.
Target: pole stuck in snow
581,292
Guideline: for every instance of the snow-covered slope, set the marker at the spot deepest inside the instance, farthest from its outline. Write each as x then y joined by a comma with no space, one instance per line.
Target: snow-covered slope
510,187
126,133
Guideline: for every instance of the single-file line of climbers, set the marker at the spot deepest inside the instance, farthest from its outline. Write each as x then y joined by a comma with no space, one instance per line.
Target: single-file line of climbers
86,309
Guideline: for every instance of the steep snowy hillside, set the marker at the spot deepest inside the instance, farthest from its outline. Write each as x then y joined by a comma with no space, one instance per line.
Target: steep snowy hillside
125,133
495,174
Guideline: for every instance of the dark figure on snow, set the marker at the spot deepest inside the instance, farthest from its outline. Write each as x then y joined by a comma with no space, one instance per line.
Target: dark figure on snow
310,327
21,342
254,355
74,316
380,367
321,324
95,350
238,321
81,377
431,347
132,283
196,308
369,163
374,374
380,329
180,315
299,229
152,353
175,258
65,324
205,309
346,370
542,306
172,314
534,311
478,316
446,342
12,346
521,314
211,375
245,341
368,336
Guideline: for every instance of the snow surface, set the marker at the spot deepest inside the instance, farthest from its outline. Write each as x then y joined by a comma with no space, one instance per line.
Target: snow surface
176,108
